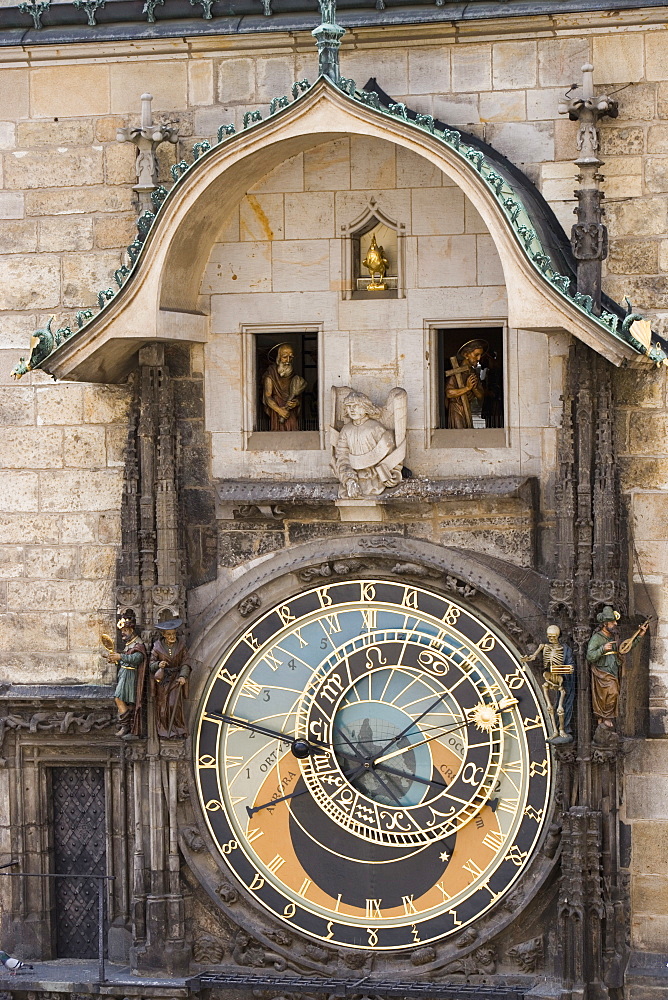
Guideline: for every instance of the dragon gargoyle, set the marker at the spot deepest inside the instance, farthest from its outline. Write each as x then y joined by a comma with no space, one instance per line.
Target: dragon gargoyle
42,343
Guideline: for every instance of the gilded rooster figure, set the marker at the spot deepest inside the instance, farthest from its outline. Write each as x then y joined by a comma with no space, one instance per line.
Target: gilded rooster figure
376,263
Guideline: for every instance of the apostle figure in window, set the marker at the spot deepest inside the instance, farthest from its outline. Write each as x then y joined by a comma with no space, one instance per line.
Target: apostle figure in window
282,390
170,671
463,386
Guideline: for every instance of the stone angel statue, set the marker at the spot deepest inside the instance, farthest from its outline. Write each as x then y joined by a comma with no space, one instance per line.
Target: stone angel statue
368,442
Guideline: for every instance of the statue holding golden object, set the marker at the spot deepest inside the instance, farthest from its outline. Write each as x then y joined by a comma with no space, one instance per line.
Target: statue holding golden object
558,663
376,263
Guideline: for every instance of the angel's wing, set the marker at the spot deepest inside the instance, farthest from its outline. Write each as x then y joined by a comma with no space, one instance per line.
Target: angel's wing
339,393
394,415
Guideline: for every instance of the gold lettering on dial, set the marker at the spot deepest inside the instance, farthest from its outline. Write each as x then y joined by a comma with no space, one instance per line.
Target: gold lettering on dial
409,905
250,689
373,908
275,863
303,889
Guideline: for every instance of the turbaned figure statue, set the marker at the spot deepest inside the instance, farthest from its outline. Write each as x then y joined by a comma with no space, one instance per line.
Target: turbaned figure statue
368,442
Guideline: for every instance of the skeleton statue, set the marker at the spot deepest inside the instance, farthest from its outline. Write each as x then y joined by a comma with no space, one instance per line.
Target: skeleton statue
558,682
368,442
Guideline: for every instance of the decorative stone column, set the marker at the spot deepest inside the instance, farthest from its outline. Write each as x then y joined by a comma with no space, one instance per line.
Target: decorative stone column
589,236
328,37
147,137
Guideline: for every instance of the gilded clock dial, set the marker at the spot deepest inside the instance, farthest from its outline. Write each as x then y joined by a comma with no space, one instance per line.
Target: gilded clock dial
372,764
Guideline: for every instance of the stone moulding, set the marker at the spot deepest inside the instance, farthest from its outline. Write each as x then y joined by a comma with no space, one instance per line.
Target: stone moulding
515,214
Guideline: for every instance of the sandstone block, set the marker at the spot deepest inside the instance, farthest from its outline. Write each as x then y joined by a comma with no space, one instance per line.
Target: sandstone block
84,447
14,94
65,234
115,231
656,174
73,132
19,236
238,267
633,257
97,561
106,404
119,163
565,134
236,81
429,70
650,894
208,120
27,170
20,527
644,473
79,201
287,176
471,68
66,490
456,109
446,260
649,846
500,106
638,387
649,933
618,58
473,221
29,282
624,140
648,433
167,81
11,562
662,100
560,60
200,81
37,630
645,292
623,186
327,167
390,67
663,255
657,139
415,171
59,404
7,135
16,405
11,205
83,631
648,216
639,103
306,214
109,527
514,65
650,515
18,491
79,528
85,275
489,269
72,91
261,217
542,105
44,563
437,211
86,595
30,448
524,142
275,75
300,265
372,163
656,55
105,128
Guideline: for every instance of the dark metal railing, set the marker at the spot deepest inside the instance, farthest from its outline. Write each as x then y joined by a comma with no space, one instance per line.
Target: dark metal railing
100,879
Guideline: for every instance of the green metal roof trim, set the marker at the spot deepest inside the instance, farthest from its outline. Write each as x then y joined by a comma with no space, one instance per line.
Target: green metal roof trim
44,342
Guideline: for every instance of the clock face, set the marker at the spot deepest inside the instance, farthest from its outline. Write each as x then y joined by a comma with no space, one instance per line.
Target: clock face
372,765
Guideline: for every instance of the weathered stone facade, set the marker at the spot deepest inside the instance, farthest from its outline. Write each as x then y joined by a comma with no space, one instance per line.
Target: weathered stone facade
66,215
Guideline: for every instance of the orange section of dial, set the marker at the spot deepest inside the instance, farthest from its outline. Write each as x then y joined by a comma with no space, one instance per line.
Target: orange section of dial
270,835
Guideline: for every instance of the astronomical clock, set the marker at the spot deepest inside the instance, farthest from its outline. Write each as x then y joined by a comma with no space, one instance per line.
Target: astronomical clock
371,764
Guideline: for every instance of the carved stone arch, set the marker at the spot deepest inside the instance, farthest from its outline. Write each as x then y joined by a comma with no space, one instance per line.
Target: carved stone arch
351,232
161,298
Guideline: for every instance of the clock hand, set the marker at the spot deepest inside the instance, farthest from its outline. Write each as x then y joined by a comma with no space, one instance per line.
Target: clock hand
359,756
414,723
251,810
428,739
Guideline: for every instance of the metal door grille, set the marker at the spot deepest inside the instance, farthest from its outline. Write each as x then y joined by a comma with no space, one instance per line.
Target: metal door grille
79,846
